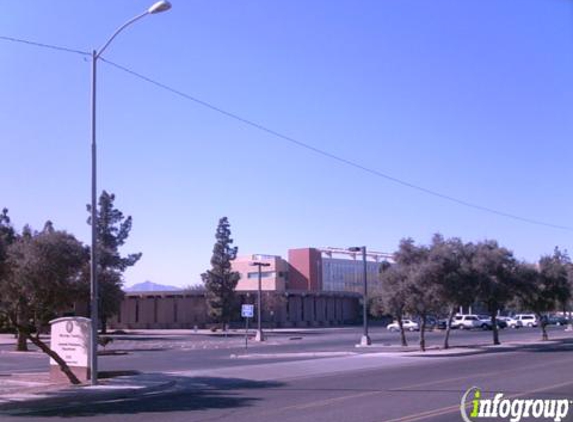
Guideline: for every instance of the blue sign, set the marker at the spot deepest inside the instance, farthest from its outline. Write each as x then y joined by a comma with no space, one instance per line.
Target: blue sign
247,311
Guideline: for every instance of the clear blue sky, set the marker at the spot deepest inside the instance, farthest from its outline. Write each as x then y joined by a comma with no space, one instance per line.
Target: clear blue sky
469,98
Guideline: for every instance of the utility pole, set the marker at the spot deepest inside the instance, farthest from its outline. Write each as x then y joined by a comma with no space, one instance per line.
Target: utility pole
259,336
365,339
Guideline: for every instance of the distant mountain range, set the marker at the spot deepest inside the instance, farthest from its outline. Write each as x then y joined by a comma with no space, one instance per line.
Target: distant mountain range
148,286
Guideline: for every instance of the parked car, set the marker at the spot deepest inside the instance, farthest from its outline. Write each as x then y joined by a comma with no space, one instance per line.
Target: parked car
466,322
510,321
408,325
442,324
555,320
527,320
486,324
431,322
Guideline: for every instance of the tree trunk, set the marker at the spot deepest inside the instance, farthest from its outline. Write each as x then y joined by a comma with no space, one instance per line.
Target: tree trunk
494,329
21,344
423,333
402,333
543,325
449,327
63,365
21,321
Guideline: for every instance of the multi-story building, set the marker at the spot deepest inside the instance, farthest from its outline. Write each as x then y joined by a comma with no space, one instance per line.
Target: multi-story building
274,277
332,269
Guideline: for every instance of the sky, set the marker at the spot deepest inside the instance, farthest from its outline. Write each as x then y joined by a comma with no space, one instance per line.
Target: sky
470,99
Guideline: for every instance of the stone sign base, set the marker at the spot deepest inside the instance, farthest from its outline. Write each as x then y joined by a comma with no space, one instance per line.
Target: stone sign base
57,375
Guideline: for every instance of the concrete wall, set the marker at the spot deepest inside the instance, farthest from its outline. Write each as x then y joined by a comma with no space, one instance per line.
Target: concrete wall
188,309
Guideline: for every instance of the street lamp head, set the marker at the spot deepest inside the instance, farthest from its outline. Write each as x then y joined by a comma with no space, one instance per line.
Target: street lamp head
160,6
259,264
355,249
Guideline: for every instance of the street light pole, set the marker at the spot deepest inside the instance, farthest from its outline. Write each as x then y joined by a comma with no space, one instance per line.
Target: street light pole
259,336
93,263
157,7
365,339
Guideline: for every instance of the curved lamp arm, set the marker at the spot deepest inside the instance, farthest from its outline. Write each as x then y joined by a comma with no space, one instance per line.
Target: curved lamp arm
160,6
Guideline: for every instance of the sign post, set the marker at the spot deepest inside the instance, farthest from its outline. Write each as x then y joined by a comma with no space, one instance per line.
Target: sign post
247,311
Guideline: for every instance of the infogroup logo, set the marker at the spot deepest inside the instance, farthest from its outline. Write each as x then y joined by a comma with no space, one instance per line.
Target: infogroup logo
510,408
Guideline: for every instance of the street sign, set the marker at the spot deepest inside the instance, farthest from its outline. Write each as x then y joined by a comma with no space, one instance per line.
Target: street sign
247,311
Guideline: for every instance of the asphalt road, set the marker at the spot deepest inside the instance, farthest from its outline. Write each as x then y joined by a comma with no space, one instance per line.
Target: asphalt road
165,352
412,389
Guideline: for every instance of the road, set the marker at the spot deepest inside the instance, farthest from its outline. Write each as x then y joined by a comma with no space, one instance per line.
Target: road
170,352
373,387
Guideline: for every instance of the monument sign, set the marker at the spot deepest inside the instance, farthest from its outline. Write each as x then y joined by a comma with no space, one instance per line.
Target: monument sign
70,339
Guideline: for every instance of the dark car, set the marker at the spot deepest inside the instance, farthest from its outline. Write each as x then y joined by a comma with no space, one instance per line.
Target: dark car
442,324
431,322
555,320
486,322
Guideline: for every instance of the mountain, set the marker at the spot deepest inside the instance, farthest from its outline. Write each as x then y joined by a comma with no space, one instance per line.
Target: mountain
148,286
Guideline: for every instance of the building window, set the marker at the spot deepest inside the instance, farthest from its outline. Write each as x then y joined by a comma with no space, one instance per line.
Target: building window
136,310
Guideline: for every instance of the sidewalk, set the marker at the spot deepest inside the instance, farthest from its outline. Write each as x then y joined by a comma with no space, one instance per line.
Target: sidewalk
24,392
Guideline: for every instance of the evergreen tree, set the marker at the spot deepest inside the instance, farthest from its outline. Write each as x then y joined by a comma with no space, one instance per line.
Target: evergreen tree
112,230
494,270
7,237
43,280
546,288
220,281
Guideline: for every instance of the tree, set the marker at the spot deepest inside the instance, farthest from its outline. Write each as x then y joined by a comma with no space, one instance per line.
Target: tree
220,281
420,281
112,231
44,279
390,297
545,289
494,272
454,285
272,304
7,238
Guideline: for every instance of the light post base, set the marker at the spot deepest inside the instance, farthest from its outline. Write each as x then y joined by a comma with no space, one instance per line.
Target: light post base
259,336
365,341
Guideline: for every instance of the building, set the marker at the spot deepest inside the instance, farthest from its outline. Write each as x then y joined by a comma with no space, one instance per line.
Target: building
333,269
274,277
316,287
187,309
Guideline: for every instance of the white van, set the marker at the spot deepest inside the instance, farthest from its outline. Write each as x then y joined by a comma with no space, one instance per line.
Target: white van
466,322
527,320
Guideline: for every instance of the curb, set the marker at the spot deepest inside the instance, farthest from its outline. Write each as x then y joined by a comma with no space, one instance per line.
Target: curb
70,397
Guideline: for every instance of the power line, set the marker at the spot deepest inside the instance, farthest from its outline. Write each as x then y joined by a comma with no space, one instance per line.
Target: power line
333,156
295,141
43,45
